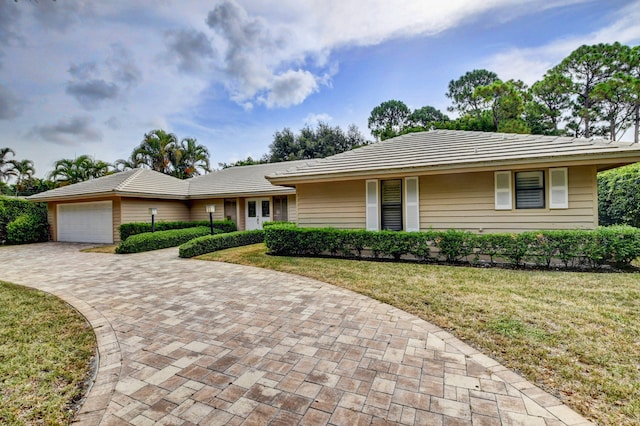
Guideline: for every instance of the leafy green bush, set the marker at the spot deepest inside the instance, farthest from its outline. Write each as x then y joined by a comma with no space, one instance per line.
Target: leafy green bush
617,245
161,239
26,229
211,243
455,245
134,228
277,222
22,221
618,196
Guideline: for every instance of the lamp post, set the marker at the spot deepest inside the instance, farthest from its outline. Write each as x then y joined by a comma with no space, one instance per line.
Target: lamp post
211,208
153,212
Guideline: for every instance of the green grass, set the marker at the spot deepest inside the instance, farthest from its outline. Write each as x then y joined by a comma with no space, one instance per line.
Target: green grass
109,249
576,335
46,348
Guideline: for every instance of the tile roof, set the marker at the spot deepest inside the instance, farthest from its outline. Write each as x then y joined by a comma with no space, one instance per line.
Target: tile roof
231,182
245,180
455,149
138,182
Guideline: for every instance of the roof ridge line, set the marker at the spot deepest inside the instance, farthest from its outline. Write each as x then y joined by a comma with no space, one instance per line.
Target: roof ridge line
136,171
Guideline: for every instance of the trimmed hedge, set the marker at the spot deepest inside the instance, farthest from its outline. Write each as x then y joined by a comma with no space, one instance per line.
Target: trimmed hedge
161,239
277,222
211,243
135,228
617,245
22,221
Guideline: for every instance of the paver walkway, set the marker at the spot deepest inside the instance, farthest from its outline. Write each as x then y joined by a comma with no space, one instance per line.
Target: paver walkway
192,342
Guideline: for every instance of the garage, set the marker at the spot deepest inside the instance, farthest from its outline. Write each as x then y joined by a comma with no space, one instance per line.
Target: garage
86,222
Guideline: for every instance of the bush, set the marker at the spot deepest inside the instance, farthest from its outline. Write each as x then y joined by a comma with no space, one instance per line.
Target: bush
277,222
161,239
25,229
135,228
211,243
617,245
455,245
618,196
22,221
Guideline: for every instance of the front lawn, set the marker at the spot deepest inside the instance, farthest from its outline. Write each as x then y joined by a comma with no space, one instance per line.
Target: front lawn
576,335
46,348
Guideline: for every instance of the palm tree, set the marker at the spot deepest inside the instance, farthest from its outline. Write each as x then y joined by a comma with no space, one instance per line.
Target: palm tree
155,151
68,171
121,164
24,171
6,165
190,159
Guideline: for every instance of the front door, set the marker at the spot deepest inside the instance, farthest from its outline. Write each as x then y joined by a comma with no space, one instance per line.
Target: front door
258,211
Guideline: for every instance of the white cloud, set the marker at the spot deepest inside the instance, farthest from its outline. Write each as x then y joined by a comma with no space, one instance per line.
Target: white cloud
274,54
530,64
314,119
290,88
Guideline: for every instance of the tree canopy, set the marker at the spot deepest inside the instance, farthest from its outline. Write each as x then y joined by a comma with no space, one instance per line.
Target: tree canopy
320,142
67,171
163,152
462,92
388,119
593,92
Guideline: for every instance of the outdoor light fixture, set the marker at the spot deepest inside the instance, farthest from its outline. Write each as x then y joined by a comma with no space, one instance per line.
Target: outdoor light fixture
211,208
153,212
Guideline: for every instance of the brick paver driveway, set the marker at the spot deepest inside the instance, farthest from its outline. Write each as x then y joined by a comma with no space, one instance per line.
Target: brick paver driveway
192,342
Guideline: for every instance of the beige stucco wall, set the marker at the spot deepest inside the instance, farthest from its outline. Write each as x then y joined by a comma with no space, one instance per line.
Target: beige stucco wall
461,201
199,211
466,201
292,209
53,221
116,206
137,210
338,205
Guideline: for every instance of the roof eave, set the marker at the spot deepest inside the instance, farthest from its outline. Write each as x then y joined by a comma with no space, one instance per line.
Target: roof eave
105,194
608,160
265,193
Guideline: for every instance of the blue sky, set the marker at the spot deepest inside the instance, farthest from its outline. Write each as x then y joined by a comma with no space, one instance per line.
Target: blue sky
84,77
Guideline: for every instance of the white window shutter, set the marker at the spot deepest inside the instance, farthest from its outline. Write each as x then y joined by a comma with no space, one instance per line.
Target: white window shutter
558,188
372,205
503,193
412,204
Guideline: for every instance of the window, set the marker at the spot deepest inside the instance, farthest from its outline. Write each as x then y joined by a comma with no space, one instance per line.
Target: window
265,208
391,197
230,209
252,208
531,189
530,193
280,205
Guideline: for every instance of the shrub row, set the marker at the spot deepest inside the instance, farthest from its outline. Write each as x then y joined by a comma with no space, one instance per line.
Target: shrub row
135,228
276,223
211,243
617,245
22,221
161,239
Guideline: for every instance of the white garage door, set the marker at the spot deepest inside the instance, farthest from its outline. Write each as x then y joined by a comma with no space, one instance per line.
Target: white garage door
86,222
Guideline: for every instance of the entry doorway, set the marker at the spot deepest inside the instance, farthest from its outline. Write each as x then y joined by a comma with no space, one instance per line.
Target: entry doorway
258,211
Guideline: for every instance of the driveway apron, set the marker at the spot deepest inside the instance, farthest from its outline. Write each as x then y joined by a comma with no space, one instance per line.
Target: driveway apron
192,342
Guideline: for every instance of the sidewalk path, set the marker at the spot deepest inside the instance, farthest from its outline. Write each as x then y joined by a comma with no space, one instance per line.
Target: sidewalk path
192,342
